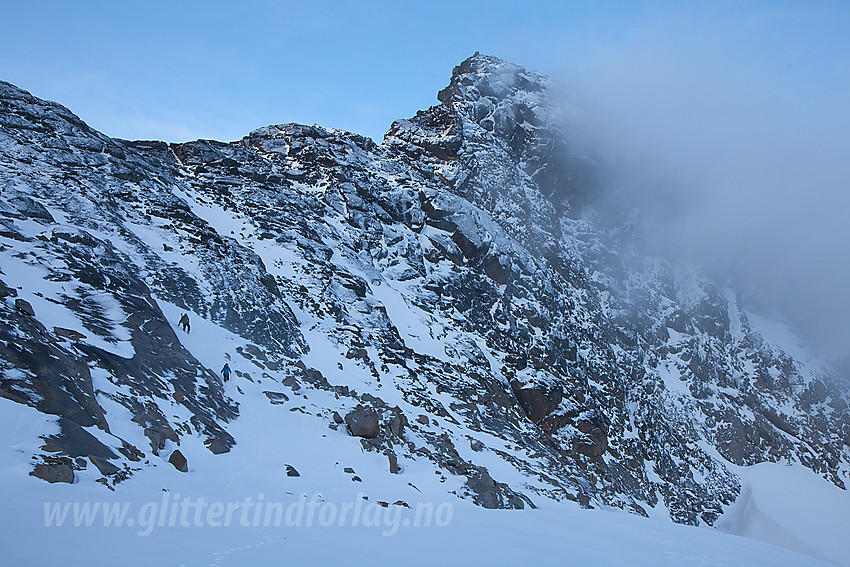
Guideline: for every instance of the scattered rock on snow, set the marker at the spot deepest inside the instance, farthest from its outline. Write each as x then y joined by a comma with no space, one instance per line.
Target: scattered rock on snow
179,461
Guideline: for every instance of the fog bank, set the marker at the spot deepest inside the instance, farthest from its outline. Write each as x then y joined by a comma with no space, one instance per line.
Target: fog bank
734,139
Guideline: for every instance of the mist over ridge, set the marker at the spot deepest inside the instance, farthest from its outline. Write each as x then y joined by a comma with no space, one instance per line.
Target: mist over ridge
733,162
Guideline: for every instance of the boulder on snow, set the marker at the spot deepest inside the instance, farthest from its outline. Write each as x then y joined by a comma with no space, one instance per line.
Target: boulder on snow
362,421
290,471
179,461
488,493
393,459
395,423
24,307
276,398
218,446
104,466
54,472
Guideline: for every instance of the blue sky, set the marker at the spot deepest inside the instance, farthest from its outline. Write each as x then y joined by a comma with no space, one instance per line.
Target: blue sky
183,70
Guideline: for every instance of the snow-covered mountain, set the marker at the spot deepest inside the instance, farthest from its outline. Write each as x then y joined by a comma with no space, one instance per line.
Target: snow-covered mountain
448,301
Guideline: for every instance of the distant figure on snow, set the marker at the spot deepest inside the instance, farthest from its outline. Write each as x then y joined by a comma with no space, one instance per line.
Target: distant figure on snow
184,322
225,372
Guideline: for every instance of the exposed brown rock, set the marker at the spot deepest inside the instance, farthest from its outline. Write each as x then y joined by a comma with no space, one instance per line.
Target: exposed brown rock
54,472
179,461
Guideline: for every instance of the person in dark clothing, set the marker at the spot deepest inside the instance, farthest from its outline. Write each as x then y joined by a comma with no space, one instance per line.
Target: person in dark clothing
225,372
184,322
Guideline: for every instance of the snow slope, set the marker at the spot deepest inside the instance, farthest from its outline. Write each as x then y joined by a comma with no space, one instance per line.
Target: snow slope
554,534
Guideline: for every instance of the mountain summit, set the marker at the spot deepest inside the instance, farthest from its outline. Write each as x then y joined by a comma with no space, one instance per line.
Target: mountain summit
444,301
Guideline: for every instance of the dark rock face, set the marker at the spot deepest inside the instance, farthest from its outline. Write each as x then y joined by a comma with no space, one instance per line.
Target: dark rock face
69,334
6,291
538,402
75,441
217,446
461,261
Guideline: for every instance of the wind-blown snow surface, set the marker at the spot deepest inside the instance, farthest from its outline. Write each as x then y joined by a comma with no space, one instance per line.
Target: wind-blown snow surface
788,506
449,279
